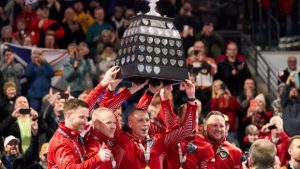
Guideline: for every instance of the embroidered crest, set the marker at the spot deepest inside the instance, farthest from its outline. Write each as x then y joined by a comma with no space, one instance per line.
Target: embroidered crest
223,153
191,147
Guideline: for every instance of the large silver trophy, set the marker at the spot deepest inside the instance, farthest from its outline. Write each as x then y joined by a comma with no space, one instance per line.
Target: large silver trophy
151,48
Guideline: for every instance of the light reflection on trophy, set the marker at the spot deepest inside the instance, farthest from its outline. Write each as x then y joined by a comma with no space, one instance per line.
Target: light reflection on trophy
151,48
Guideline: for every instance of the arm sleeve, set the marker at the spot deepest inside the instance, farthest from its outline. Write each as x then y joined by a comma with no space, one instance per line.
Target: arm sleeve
179,133
169,117
32,152
116,101
285,95
145,101
92,98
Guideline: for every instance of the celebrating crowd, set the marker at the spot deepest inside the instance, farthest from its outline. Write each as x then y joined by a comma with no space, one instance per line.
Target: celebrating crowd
90,119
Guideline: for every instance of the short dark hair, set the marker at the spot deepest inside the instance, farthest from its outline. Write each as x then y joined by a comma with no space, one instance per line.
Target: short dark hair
7,50
74,104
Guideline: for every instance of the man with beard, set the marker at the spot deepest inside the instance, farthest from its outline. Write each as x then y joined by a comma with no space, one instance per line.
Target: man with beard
227,156
13,158
290,104
147,151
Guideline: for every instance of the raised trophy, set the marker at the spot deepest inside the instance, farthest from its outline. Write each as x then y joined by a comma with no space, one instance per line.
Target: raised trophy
151,48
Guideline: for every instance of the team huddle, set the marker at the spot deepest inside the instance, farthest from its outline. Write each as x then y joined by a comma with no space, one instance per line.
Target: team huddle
102,143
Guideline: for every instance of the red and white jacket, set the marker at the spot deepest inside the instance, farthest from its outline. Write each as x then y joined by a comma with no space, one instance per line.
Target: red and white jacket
202,157
160,143
67,152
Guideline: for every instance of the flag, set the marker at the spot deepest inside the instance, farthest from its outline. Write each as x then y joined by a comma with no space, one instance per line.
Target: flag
55,57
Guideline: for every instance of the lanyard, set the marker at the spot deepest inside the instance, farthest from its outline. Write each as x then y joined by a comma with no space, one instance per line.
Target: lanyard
76,147
110,144
147,150
182,159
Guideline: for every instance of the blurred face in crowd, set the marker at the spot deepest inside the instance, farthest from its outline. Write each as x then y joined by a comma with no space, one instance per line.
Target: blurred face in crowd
27,41
21,25
118,13
58,107
106,36
78,6
249,84
215,127
105,122
199,47
77,118
260,105
129,13
293,93
27,8
8,55
49,41
294,150
45,13
37,56
99,14
139,123
11,92
12,148
231,50
6,32
69,14
292,62
21,102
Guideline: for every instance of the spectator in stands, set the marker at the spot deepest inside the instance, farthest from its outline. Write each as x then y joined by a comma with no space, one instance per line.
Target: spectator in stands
228,105
212,39
290,103
231,50
6,35
273,131
13,8
39,73
187,24
244,98
73,29
52,112
227,156
108,37
75,71
276,104
8,100
50,42
12,71
55,10
261,155
43,163
27,14
294,152
292,66
129,12
118,18
94,31
18,122
251,135
13,158
23,32
3,18
106,59
43,25
84,18
257,113
232,70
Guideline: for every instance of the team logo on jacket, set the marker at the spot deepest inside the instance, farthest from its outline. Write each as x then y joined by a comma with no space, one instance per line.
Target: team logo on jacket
223,153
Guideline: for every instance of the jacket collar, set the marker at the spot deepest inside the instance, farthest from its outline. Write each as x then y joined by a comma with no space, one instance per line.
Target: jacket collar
70,132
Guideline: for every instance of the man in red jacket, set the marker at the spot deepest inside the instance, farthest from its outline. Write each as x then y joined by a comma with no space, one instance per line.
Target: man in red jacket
147,151
227,155
66,149
192,152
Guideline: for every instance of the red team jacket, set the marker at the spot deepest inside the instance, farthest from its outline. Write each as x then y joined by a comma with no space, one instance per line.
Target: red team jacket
134,156
227,155
199,153
67,152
